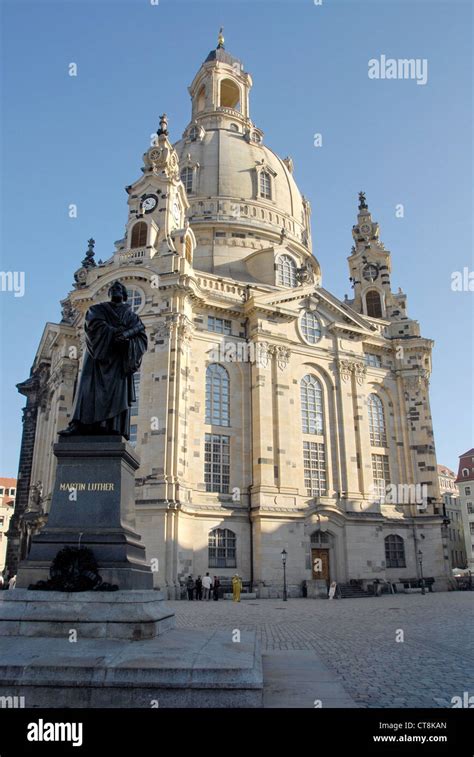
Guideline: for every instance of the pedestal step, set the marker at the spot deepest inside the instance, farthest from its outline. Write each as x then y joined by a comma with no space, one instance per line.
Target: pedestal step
179,669
132,615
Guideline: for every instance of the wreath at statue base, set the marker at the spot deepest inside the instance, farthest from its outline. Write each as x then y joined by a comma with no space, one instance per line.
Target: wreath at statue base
74,569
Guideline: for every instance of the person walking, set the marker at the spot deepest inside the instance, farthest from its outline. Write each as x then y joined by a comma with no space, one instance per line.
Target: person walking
236,587
12,582
332,590
207,583
215,588
199,587
190,587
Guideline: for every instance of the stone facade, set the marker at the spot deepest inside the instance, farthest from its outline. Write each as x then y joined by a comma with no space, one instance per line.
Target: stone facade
465,483
7,503
256,412
454,520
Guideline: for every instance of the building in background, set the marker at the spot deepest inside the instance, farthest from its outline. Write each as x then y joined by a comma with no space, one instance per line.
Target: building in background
271,414
7,504
452,511
465,483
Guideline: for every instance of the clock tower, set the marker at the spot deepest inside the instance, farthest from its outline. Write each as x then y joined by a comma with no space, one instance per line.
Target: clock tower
157,203
370,267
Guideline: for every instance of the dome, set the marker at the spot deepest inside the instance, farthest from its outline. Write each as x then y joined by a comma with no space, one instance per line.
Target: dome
224,167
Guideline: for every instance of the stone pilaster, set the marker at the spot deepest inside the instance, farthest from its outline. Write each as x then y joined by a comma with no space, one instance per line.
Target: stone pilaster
16,535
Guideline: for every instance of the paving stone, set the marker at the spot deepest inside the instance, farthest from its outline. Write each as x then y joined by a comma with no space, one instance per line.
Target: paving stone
355,640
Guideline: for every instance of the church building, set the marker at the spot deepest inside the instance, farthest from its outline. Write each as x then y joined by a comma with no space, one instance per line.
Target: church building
271,416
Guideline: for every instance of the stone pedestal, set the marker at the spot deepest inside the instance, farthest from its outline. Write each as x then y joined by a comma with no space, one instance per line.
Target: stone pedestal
110,649
93,505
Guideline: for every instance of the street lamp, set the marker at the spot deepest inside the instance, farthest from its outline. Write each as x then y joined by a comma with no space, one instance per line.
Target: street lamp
420,560
284,555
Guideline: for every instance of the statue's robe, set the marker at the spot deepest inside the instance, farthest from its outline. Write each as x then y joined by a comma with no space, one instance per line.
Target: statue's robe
106,389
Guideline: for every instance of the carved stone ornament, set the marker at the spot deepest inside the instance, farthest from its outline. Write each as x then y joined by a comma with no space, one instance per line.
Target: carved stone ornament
80,277
68,312
175,323
283,357
305,274
360,371
35,498
262,354
163,158
346,367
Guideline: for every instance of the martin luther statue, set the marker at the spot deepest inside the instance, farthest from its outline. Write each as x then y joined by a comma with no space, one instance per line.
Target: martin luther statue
115,344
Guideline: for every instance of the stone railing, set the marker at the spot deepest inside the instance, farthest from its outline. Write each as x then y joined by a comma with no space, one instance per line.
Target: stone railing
221,286
134,256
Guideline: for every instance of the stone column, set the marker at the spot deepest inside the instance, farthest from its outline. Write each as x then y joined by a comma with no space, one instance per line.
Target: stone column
16,547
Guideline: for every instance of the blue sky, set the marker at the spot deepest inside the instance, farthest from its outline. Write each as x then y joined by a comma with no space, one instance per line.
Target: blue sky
80,140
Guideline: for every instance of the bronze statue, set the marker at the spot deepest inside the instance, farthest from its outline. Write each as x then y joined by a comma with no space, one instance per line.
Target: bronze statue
115,344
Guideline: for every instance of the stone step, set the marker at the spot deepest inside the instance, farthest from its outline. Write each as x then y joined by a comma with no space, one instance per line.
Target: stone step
300,679
248,595
181,668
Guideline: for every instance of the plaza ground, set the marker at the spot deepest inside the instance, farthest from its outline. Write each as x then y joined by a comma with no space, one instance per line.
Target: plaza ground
345,653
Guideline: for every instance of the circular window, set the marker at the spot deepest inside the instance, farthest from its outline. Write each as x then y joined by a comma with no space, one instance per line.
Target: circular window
310,327
135,298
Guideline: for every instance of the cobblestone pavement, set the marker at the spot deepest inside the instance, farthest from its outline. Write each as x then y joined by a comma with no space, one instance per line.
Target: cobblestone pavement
357,639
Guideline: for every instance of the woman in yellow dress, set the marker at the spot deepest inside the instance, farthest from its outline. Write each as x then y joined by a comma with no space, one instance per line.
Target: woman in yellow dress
236,588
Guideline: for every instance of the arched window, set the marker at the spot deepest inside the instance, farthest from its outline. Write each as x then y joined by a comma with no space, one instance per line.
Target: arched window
194,133
373,303
139,234
201,99
465,472
378,434
321,537
230,94
311,405
265,185
286,271
217,395
187,179
134,299
310,327
394,551
222,548
136,386
381,475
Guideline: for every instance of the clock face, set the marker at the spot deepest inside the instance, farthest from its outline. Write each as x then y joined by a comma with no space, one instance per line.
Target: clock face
149,203
365,228
370,272
154,154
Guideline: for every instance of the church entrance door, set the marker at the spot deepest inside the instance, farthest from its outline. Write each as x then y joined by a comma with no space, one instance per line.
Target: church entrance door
320,564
